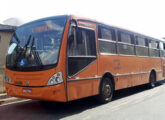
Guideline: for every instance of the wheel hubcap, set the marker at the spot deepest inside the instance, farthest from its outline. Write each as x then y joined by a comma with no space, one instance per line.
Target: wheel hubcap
107,90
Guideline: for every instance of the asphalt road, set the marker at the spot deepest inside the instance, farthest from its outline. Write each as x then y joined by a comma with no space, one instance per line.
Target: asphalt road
138,103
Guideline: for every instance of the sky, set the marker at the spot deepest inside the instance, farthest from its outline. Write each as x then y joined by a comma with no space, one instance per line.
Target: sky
143,16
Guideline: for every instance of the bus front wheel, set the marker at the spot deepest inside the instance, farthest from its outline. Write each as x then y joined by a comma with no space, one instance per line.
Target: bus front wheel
106,91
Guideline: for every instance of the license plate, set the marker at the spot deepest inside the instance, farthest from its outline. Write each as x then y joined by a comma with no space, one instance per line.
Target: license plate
26,90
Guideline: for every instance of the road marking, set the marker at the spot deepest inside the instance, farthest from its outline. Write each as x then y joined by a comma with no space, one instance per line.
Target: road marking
7,99
15,102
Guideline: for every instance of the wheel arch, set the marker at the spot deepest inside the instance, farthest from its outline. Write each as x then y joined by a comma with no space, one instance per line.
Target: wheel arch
109,75
153,71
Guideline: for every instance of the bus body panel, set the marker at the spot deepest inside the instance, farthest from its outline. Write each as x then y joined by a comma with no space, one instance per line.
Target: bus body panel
84,84
49,93
38,78
129,71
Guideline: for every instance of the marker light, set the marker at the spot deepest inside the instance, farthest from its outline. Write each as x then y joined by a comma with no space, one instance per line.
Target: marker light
55,79
7,79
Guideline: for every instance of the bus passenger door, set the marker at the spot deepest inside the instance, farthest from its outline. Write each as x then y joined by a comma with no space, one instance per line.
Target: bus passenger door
82,63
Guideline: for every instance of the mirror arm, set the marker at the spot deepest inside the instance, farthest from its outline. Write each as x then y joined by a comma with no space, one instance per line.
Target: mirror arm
74,21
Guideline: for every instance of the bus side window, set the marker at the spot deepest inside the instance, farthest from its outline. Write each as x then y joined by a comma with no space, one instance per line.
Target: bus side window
126,43
106,40
161,47
72,45
164,50
86,42
81,49
154,48
81,42
141,46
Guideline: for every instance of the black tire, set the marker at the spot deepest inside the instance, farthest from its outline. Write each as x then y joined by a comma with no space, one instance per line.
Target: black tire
106,91
152,80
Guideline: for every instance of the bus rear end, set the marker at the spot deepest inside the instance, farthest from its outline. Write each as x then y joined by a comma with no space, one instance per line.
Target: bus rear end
36,58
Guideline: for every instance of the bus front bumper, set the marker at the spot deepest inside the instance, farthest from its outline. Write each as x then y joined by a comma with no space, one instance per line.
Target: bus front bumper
48,93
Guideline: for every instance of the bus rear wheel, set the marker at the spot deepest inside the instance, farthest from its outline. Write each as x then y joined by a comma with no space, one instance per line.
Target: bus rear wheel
106,91
152,80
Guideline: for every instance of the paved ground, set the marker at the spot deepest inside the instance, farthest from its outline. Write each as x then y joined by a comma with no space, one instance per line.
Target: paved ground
137,103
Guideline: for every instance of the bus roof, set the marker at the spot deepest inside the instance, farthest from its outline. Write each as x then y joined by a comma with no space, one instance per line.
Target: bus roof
120,28
93,21
46,18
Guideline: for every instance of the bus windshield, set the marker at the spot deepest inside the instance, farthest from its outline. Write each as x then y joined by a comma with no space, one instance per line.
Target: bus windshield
36,44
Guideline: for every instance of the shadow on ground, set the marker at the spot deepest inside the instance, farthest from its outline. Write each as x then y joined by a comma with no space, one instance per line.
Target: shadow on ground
41,110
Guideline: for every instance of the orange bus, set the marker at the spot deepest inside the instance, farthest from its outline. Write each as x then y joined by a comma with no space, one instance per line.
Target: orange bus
64,58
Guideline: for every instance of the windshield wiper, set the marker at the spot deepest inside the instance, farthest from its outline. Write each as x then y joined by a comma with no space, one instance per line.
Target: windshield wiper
27,50
37,57
27,43
16,37
22,50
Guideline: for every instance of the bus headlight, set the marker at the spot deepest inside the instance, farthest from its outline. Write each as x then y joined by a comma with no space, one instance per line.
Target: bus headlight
7,79
55,79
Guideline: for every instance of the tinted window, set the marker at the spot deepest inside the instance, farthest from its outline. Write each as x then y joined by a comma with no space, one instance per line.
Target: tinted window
162,51
81,49
127,48
161,46
125,37
141,41
153,44
38,44
154,53
154,48
141,49
106,35
82,43
107,47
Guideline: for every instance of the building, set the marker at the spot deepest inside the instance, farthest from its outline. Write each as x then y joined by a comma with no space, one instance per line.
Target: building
6,33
